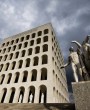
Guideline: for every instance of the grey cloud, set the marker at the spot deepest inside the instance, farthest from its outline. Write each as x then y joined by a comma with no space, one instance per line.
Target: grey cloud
70,19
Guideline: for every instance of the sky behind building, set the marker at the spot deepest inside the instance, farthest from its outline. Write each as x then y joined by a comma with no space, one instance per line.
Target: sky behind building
70,19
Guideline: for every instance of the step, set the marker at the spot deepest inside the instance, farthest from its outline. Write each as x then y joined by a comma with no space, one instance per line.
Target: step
49,106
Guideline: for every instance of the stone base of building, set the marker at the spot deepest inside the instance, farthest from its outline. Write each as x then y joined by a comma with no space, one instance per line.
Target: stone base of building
51,106
81,92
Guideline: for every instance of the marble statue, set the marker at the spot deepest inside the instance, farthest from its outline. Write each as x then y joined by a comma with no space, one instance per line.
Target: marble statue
84,70
42,98
73,59
31,98
20,99
85,49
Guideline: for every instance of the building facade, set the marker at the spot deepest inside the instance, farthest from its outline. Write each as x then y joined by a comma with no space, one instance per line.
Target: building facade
30,68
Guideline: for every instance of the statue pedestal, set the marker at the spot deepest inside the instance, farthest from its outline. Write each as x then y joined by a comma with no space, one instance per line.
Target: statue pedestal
81,92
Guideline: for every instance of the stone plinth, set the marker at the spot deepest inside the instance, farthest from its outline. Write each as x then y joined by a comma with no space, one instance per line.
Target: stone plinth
81,92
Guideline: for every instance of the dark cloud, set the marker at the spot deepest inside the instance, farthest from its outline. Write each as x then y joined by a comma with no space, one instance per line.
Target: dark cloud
70,19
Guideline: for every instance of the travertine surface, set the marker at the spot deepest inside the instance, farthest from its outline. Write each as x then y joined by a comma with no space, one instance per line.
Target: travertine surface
81,92
30,66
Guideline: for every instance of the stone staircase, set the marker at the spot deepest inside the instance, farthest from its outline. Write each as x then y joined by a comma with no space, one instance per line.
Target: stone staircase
49,106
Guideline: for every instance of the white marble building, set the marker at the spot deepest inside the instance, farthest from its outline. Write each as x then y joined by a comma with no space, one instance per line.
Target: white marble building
30,68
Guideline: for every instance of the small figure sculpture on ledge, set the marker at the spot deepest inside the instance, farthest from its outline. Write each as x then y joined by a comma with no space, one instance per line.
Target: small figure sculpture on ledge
20,99
42,98
80,60
31,98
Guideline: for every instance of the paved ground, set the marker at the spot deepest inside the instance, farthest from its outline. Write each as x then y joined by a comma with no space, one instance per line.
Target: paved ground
37,106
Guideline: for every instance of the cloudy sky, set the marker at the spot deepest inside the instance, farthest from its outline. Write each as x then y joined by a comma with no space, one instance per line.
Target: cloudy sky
70,18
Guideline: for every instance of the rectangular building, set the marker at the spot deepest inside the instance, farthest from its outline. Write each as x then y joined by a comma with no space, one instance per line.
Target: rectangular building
30,68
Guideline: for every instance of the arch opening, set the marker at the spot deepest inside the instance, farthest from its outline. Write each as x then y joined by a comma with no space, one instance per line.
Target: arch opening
34,75
43,94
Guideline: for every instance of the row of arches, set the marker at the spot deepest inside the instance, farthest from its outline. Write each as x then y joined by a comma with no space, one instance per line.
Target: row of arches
30,51
59,82
57,65
22,77
22,63
24,94
24,45
58,97
38,40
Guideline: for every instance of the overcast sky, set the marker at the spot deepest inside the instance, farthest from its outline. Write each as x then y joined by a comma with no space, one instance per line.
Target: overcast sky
70,18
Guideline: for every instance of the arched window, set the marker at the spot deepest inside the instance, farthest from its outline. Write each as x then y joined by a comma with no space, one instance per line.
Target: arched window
1,66
30,51
0,50
27,62
10,56
34,75
25,74
7,66
39,33
52,48
13,65
23,53
19,46
21,95
56,79
3,44
16,54
5,57
17,40
33,35
17,74
31,94
25,44
36,61
53,75
38,41
4,50
20,64
4,92
45,38
12,42
9,78
45,47
7,43
9,49
54,94
43,74
22,39
46,31
14,47
2,78
44,59
37,49
31,42
12,95
0,58
27,37
43,94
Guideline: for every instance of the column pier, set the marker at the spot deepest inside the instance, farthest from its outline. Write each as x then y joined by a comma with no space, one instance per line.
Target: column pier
16,96
7,98
21,77
26,96
36,99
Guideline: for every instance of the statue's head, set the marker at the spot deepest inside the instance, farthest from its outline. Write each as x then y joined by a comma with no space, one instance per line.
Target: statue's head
86,40
71,49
